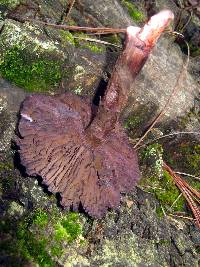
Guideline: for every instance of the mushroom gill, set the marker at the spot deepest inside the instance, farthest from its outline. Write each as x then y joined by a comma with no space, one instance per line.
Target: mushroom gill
87,160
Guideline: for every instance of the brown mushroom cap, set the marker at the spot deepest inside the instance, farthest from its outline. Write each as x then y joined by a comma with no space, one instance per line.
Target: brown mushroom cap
54,145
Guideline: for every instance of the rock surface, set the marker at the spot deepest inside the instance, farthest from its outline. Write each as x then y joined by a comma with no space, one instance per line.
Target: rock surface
34,229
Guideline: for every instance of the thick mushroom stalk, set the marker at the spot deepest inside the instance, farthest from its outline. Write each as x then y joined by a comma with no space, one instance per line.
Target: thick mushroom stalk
139,43
88,160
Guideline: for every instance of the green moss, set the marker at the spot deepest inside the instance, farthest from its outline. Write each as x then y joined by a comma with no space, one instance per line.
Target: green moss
185,158
40,237
56,250
67,36
136,121
8,184
68,228
169,193
159,212
22,246
133,11
32,247
35,75
77,40
10,3
166,192
6,166
191,161
159,182
40,218
132,122
191,155
7,178
113,39
93,47
5,225
164,242
194,49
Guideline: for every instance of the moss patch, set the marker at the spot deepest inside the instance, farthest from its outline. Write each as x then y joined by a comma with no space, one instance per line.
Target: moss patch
10,3
113,39
77,40
190,161
67,36
194,49
133,11
132,122
68,228
40,218
33,248
35,75
159,182
6,166
137,121
7,179
166,193
40,237
191,155
185,157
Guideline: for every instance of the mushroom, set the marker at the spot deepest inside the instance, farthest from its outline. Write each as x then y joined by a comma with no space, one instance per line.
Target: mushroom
86,158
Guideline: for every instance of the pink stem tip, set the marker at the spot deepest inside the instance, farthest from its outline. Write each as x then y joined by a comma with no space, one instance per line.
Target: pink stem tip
153,29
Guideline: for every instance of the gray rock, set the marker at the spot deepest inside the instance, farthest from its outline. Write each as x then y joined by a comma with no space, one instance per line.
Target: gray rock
104,13
11,98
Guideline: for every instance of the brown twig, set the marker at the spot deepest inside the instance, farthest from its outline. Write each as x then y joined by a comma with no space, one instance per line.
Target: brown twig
190,194
100,30
174,91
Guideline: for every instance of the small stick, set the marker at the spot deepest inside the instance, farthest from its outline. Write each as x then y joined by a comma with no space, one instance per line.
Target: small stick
187,191
100,30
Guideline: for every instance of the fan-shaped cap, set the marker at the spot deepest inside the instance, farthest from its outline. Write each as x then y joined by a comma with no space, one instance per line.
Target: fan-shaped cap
55,145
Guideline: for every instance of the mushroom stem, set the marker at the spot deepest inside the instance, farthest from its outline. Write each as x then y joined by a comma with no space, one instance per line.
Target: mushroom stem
139,43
